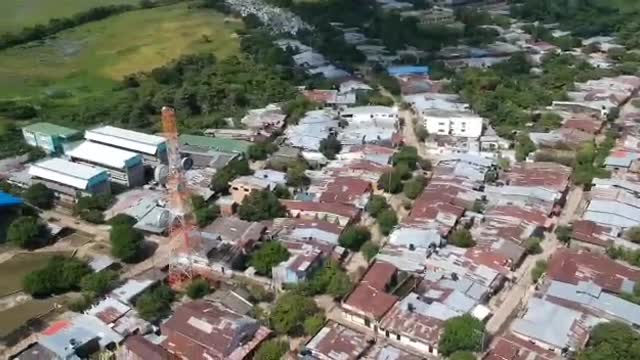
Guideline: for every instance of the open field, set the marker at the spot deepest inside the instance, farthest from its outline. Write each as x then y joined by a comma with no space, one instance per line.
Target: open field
16,14
15,317
13,270
90,58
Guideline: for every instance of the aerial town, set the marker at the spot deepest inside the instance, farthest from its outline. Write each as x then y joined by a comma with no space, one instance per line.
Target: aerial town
320,180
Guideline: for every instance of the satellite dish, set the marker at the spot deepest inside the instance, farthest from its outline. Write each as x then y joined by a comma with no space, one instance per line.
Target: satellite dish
160,174
163,218
187,163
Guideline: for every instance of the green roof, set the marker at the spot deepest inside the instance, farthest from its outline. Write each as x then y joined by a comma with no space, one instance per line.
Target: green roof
51,129
217,144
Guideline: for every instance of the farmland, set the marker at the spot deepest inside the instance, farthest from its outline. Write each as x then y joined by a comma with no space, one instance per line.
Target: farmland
91,58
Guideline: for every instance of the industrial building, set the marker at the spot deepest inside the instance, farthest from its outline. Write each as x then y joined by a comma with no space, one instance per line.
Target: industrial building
70,180
125,167
153,148
48,137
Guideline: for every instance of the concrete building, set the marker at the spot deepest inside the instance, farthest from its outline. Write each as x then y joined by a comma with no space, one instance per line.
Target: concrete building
334,342
48,137
453,123
153,148
70,180
361,114
125,167
244,185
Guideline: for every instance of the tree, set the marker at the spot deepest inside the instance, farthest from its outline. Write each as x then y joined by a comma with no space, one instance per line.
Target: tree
296,175
387,220
524,146
289,313
414,187
563,233
612,340
123,219
376,204
462,355
39,196
221,179
421,132
126,242
268,256
533,246
354,236
633,234
461,333
462,238
390,181
206,215
98,284
330,147
272,350
478,206
25,232
261,150
261,205
155,304
407,155
282,192
313,324
339,285
58,276
198,288
538,270
369,250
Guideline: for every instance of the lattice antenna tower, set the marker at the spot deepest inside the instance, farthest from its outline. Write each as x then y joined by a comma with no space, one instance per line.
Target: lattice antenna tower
182,244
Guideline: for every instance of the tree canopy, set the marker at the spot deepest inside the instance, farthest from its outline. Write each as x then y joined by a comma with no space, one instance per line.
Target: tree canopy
290,311
126,242
26,232
612,341
376,204
269,255
391,181
272,350
155,304
387,220
261,150
58,276
369,250
261,205
330,147
39,195
222,178
98,284
462,238
354,236
332,280
461,333
413,188
198,288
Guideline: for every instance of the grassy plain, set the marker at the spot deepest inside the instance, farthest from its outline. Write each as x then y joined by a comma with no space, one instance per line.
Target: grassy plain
92,57
16,14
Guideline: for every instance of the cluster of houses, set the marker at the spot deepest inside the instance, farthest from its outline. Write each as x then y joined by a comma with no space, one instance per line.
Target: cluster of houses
273,18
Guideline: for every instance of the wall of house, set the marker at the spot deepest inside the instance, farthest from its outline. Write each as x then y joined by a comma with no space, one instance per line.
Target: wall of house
467,126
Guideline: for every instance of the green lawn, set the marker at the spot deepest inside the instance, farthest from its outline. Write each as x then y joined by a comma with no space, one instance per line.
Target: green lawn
16,14
90,58
13,270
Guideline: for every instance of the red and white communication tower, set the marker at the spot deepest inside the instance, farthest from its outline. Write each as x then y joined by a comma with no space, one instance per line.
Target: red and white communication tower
183,245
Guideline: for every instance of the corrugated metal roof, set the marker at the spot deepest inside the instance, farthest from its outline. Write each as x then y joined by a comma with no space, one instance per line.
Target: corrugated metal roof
104,155
547,322
127,139
50,129
218,144
66,172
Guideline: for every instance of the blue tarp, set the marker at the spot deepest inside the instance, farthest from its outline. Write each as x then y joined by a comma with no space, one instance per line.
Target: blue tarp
7,200
408,70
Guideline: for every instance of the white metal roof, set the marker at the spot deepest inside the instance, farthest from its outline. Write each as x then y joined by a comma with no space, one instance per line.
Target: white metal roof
102,154
65,172
127,139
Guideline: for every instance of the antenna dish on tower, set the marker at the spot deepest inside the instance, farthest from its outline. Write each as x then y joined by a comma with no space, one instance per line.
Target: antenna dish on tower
161,174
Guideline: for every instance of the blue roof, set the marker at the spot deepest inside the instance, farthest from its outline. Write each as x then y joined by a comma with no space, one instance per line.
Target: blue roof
408,70
7,200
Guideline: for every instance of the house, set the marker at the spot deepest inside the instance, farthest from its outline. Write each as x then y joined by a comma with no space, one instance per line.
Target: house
335,342
370,300
242,186
364,114
266,120
233,230
305,230
201,330
620,160
125,167
224,145
510,347
137,347
348,191
49,137
331,212
590,235
452,123
408,70
309,59
152,148
70,180
553,327
302,263
547,175
435,208
415,237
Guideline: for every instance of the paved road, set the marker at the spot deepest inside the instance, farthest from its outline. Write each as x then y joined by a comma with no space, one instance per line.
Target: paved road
507,302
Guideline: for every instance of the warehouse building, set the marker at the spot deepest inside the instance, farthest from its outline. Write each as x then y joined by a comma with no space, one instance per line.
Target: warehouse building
153,148
48,137
70,180
125,167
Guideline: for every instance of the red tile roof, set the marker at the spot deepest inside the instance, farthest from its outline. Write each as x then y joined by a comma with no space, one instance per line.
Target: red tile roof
572,266
348,211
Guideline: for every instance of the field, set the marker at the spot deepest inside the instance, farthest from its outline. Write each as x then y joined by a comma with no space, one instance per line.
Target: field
90,58
17,316
16,14
13,270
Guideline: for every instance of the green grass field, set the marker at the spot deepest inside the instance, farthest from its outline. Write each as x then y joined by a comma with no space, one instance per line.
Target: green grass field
92,57
16,14
13,270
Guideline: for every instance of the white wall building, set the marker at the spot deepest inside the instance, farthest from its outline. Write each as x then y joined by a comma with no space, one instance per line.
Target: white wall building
153,148
453,123
367,113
